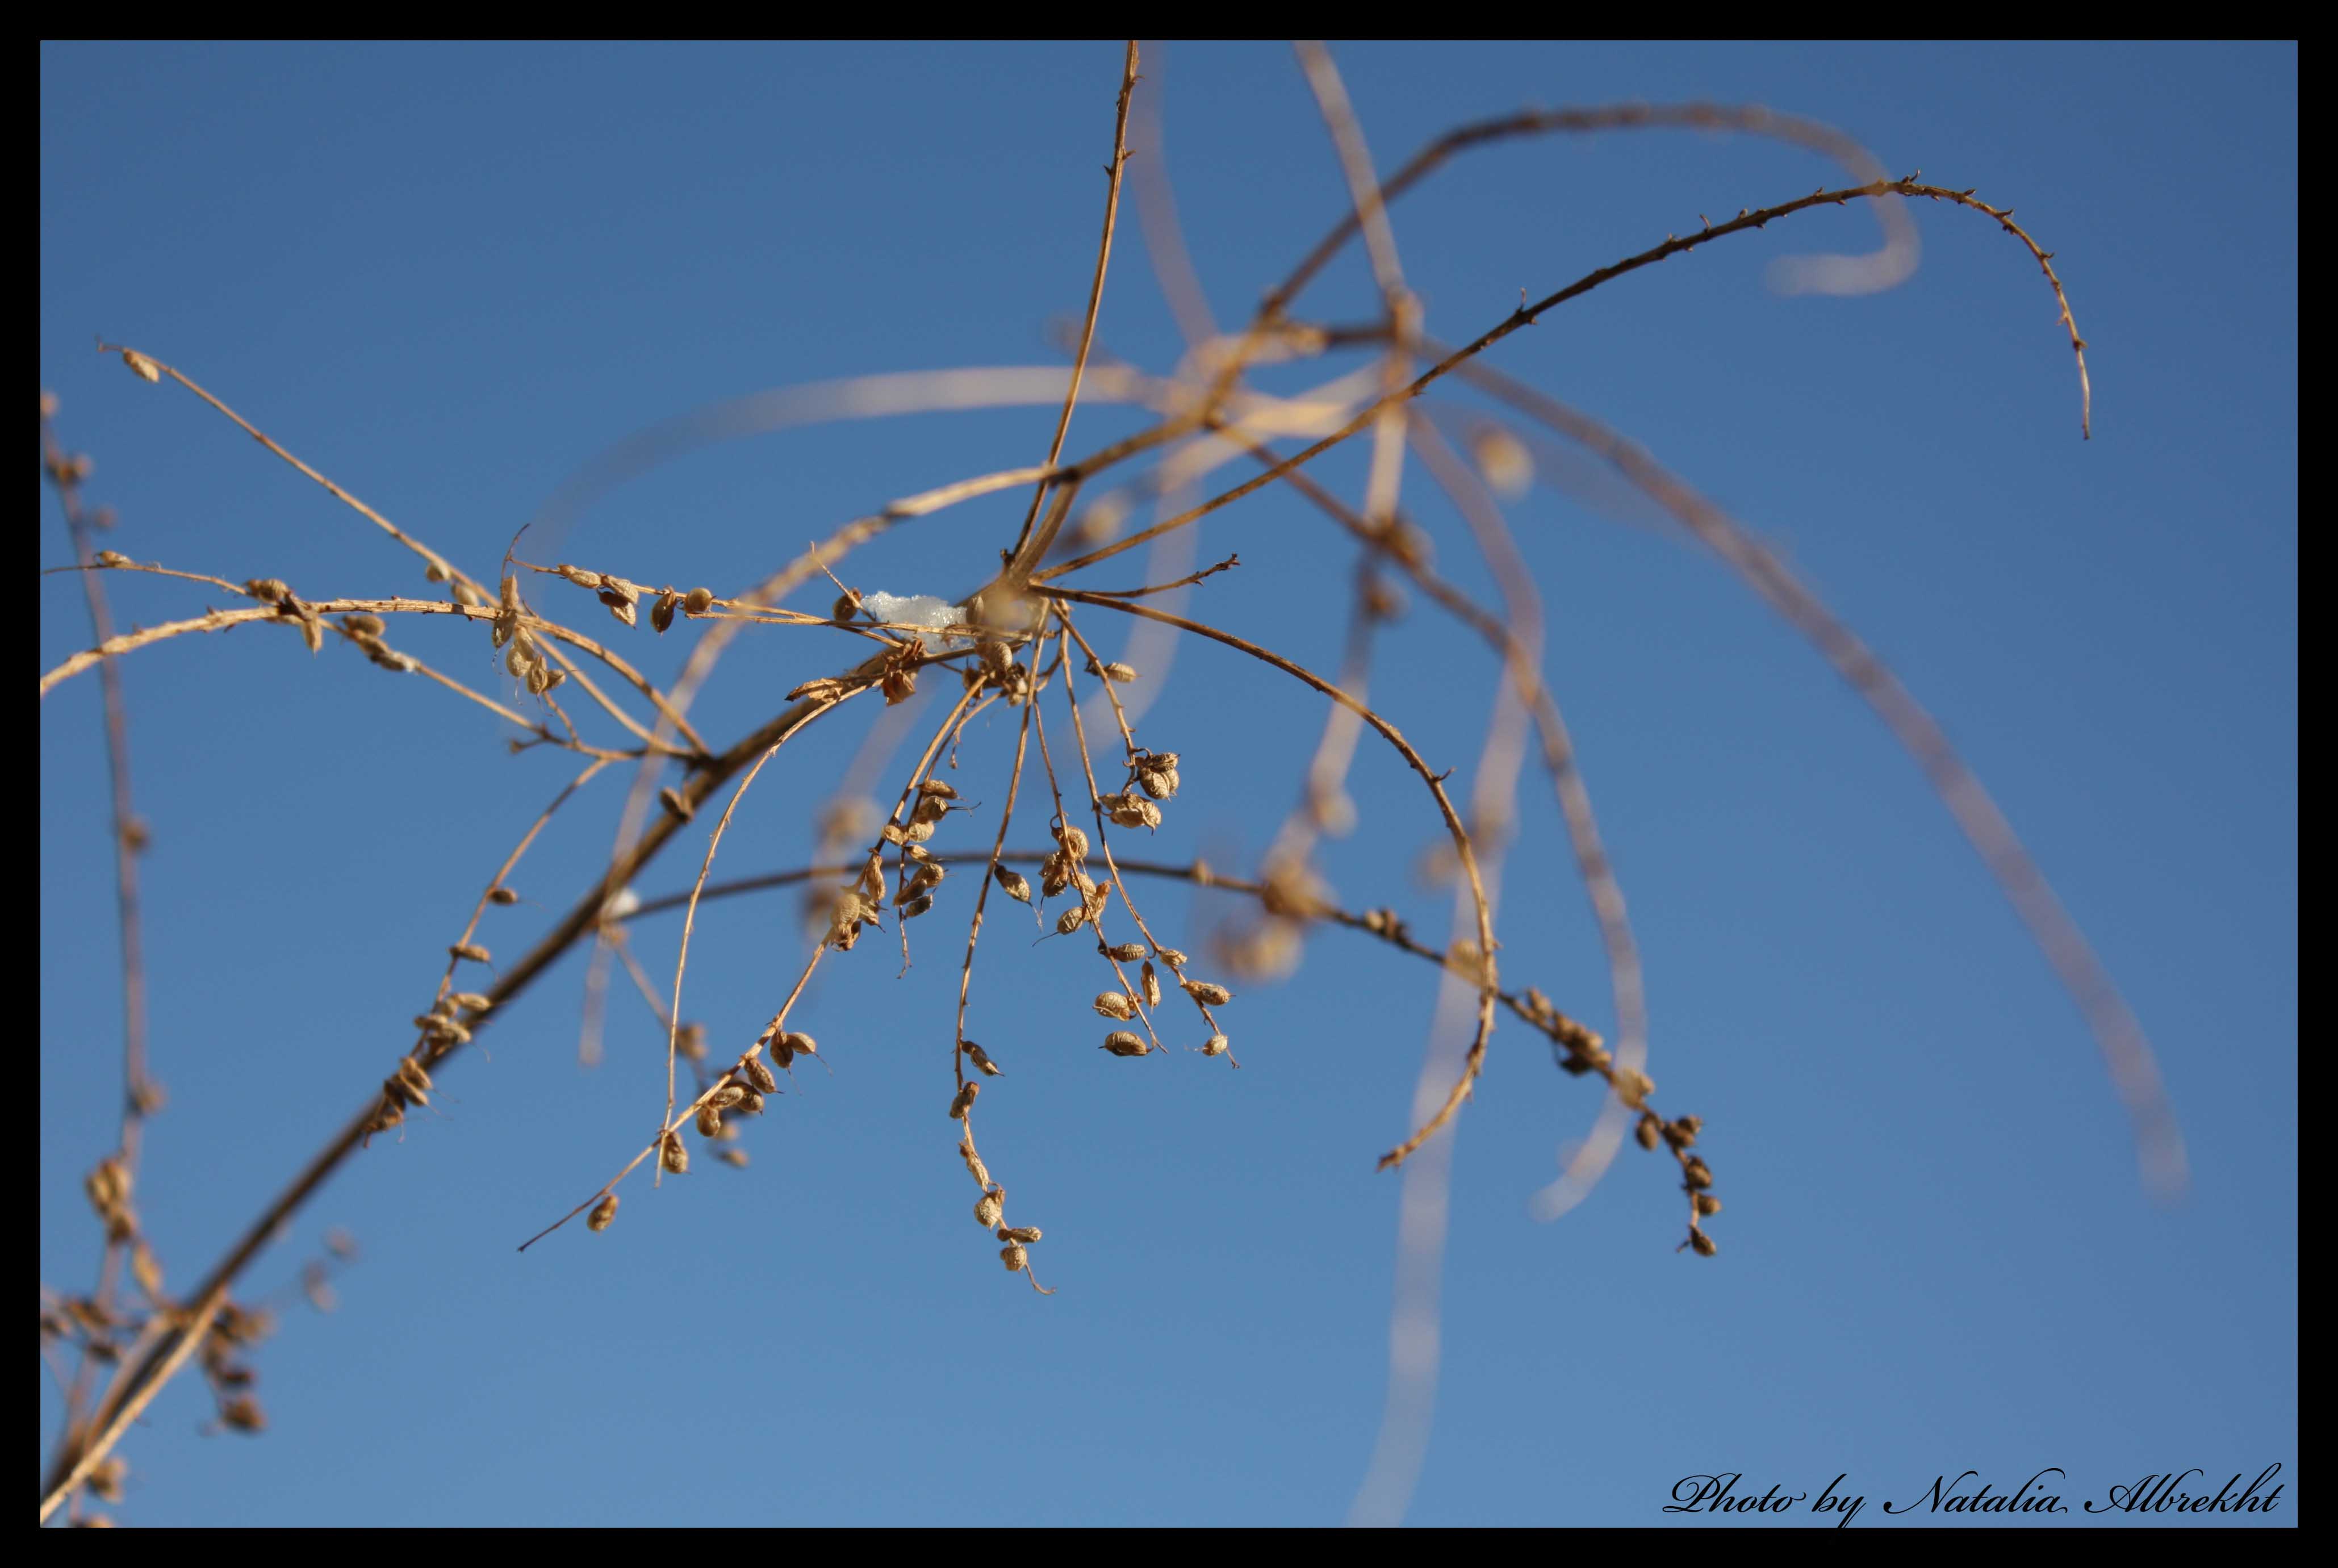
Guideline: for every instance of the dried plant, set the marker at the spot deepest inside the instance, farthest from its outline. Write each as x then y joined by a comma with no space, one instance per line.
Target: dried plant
1060,821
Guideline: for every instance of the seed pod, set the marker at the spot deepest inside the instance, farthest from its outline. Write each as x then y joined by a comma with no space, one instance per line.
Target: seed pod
900,684
690,1042
681,808
364,625
1074,840
1015,1258
1207,994
1171,956
145,368
760,1075
697,602
1014,883
1649,1132
963,1100
846,605
1706,1203
1685,1129
1161,783
981,1059
1071,920
1119,674
1025,1234
974,1165
750,1103
502,896
727,1095
917,906
1152,983
470,950
1696,1174
472,1000
918,832
1704,1244
939,789
929,809
800,1045
268,590
672,1155
710,1122
1112,1005
1126,952
620,604
1121,1043
1214,1046
1054,874
114,558
416,1081
1633,1086
987,1211
578,576
602,1213
735,1158
662,612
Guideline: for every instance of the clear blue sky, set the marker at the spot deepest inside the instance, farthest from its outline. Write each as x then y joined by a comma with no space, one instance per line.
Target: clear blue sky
449,277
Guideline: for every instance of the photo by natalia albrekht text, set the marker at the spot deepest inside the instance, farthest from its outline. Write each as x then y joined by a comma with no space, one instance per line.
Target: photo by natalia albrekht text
1969,1492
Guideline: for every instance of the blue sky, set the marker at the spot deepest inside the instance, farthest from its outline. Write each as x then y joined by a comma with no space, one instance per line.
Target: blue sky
451,277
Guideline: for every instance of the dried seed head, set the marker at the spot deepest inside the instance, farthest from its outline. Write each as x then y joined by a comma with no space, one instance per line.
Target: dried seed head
602,1213
697,602
472,1000
727,1095
750,1103
938,788
1161,783
1649,1132
1125,952
502,896
735,1158
759,1073
1071,920
1171,956
578,576
1504,460
1706,1203
1025,1234
974,1165
987,1211
981,1059
114,558
1074,842
900,684
1214,1046
963,1100
364,625
917,906
243,1414
1696,1173
1015,1258
1119,673
1112,1005
470,950
1013,881
620,602
1704,1244
662,612
800,1046
918,832
1152,983
145,368
710,1122
675,804
417,1080
1207,994
1685,1129
1633,1086
1056,873
672,1154
847,604
690,1042
1121,1043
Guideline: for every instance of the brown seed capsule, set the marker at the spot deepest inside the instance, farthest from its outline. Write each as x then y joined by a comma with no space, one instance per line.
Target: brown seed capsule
145,368
1027,1234
1207,994
602,1213
750,1103
735,1158
981,1059
1071,920
697,602
690,1042
710,1122
1214,1046
1126,952
470,950
472,1000
845,606
727,1095
963,1100
1015,1258
1696,1174
1171,956
268,589
1015,884
662,612
1704,1244
502,896
1706,1203
1685,1129
759,1073
1112,1005
1119,673
1151,984
1633,1086
917,906
114,558
672,1155
918,832
900,684
1121,1043
364,625
680,808
802,1044
938,788
620,604
410,1073
1649,1132
243,1414
578,576
1074,840
974,1165
987,1211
